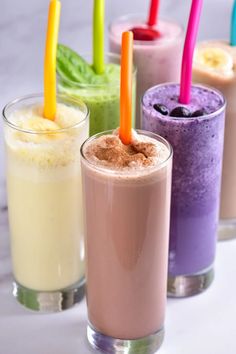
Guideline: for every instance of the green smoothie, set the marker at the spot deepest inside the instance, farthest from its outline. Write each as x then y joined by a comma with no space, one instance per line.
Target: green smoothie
101,93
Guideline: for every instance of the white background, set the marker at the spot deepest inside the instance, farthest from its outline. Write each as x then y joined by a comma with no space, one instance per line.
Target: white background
199,325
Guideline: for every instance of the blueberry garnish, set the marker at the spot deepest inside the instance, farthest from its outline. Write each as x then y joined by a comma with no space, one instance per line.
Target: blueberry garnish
180,112
199,113
161,109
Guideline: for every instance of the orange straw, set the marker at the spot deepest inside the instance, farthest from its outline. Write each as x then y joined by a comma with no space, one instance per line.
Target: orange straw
50,60
126,87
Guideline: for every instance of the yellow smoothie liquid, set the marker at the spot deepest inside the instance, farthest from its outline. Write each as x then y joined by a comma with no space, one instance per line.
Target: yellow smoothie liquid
44,196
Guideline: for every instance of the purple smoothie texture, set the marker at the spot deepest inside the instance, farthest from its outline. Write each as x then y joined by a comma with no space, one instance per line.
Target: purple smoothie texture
198,148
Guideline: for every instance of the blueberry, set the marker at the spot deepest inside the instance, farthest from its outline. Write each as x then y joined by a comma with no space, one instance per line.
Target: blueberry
180,112
198,113
161,109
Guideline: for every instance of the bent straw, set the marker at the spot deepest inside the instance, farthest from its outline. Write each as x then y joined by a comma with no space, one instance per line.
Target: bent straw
233,26
153,12
50,60
126,87
98,36
187,61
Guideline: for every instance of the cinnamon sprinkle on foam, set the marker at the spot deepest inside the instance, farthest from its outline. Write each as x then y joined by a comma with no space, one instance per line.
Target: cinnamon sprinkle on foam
109,151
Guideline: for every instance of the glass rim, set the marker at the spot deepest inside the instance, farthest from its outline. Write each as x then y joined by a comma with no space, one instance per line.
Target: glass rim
141,16
41,95
213,40
109,84
126,172
204,117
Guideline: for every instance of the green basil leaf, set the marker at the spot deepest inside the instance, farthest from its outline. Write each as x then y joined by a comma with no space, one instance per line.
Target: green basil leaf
72,67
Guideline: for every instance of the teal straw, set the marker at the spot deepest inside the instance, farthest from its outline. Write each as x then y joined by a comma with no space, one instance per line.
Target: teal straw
233,26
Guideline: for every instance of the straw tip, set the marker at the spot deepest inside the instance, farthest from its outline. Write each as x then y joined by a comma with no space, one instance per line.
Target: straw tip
128,34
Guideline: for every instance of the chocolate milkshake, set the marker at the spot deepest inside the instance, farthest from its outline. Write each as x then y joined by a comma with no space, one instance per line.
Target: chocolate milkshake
127,203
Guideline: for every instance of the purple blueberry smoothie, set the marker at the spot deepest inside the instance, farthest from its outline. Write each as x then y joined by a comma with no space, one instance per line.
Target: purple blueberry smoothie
196,133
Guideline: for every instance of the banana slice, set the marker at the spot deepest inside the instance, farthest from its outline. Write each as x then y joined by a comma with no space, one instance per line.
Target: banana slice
38,124
215,59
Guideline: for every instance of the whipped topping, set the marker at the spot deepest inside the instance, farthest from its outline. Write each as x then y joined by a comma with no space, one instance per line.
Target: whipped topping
109,151
28,117
43,143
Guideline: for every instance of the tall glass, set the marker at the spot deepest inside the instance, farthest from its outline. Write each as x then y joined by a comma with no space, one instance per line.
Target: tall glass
103,100
127,236
45,201
225,81
157,61
198,147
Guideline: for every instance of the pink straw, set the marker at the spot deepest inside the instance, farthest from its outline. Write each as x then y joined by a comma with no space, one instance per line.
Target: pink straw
190,41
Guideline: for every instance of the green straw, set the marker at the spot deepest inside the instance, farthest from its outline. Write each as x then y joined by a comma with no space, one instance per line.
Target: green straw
233,26
98,36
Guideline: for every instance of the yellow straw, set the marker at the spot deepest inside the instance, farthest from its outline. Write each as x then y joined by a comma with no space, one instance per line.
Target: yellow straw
50,60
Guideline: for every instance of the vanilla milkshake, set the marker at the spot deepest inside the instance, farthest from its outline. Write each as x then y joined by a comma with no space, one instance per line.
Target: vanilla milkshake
215,65
157,57
127,236
44,201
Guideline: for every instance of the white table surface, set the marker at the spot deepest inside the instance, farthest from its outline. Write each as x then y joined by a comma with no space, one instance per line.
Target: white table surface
204,324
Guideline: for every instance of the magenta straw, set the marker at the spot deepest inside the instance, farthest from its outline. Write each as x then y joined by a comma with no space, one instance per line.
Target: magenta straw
189,45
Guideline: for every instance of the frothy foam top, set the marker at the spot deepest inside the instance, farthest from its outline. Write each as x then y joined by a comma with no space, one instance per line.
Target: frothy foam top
28,117
168,95
43,143
168,30
109,151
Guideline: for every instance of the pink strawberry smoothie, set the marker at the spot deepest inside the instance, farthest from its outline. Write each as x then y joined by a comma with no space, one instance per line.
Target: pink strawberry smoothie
158,60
